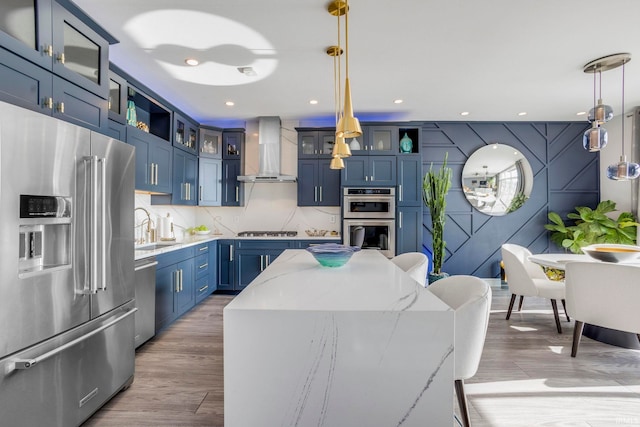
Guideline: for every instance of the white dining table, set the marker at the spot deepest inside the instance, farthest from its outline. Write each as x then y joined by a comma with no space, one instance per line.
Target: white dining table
605,335
559,261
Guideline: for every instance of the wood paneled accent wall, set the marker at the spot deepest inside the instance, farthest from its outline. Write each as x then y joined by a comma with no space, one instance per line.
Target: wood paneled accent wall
565,176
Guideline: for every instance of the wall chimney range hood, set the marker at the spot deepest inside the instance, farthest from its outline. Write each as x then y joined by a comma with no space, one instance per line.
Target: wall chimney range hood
269,154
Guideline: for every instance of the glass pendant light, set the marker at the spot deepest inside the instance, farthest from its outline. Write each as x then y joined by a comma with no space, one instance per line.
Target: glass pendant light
600,113
595,139
623,170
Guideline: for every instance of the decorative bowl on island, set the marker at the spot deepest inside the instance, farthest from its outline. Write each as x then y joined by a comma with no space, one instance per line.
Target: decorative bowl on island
610,252
332,254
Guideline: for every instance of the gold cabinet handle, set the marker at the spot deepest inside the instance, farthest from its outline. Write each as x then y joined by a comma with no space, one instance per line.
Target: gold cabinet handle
60,57
60,107
48,103
48,50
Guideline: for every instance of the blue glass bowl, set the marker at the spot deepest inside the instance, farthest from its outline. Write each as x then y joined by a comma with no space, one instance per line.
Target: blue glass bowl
332,254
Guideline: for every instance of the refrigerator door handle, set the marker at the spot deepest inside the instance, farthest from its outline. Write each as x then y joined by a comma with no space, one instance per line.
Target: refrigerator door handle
22,364
103,224
93,225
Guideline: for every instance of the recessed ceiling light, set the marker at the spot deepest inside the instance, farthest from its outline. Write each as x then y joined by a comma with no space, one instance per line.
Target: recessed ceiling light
522,113
248,71
313,102
229,103
464,113
397,101
191,61
581,113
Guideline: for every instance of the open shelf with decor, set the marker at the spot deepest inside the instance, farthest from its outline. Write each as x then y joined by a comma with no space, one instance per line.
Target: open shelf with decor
404,145
148,115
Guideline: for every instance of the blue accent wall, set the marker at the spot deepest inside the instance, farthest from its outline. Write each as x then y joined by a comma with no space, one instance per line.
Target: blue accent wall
565,176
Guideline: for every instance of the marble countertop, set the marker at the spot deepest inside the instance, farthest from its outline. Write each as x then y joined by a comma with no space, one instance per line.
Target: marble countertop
153,249
368,282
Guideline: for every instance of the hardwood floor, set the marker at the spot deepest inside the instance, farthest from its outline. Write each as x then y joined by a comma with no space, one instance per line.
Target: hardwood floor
526,376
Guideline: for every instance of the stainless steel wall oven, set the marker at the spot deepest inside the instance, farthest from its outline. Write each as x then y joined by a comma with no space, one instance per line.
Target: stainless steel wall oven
369,218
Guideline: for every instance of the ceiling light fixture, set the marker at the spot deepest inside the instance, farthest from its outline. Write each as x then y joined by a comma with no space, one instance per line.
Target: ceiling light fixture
229,103
623,170
465,113
596,138
348,125
340,148
522,113
191,61
398,101
313,102
247,71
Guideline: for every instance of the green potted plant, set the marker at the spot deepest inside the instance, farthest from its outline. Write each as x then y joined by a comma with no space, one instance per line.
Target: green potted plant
435,187
592,226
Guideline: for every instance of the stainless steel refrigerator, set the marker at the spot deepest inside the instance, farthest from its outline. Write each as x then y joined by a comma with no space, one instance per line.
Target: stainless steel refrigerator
66,269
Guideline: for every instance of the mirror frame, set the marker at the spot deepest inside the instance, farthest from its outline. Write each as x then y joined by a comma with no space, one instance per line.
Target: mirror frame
483,172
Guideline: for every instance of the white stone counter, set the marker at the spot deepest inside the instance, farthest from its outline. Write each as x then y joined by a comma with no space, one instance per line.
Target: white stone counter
358,345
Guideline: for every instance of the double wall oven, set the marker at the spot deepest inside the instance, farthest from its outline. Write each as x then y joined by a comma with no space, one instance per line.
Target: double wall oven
369,218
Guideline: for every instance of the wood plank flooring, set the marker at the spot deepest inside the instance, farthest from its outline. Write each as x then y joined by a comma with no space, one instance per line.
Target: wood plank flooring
526,376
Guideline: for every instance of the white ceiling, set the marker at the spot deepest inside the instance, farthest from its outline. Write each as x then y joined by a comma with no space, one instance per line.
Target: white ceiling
493,58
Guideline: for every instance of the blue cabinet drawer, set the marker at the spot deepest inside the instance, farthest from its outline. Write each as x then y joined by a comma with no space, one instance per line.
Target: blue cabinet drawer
202,265
264,244
175,257
204,287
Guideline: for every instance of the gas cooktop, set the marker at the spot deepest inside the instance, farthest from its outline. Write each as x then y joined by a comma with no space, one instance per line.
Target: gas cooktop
267,234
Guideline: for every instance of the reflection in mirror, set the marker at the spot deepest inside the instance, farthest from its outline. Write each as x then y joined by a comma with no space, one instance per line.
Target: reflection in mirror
497,179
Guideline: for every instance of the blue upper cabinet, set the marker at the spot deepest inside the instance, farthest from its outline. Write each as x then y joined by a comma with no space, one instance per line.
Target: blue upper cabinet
232,144
117,98
31,37
185,169
315,144
48,51
57,39
154,161
210,142
380,140
80,54
185,133
409,192
369,170
147,114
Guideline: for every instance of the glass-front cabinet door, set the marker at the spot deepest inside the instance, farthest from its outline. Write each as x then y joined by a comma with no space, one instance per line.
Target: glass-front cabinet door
381,140
210,143
25,28
80,54
117,98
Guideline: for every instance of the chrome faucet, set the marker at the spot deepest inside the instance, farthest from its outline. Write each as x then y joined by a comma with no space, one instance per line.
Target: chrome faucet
150,235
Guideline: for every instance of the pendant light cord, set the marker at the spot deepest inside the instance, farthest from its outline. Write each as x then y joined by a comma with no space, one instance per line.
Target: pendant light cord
623,113
346,38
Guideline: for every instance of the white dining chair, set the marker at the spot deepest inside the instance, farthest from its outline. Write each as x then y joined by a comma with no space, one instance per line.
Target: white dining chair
470,297
602,294
416,264
526,278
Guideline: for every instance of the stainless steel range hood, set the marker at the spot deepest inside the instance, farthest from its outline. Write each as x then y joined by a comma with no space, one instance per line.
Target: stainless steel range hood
269,154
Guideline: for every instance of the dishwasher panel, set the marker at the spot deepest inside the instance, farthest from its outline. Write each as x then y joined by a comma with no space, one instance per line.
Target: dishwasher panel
145,279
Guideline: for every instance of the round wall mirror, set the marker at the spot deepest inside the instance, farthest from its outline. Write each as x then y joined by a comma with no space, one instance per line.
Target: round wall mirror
497,179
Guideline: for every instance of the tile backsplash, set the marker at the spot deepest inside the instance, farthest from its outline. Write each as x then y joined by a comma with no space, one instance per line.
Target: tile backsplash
267,207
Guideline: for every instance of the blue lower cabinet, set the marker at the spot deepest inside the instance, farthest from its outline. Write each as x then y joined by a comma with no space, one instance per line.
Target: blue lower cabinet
225,264
254,256
409,229
175,285
409,192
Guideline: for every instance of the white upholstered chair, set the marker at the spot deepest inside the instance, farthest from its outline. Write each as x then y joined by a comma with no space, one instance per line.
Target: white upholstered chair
603,294
416,264
470,297
528,279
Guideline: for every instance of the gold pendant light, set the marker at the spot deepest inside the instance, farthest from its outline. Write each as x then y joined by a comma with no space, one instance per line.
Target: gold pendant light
348,125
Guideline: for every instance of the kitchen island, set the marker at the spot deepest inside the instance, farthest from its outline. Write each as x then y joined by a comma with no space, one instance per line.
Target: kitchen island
362,344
